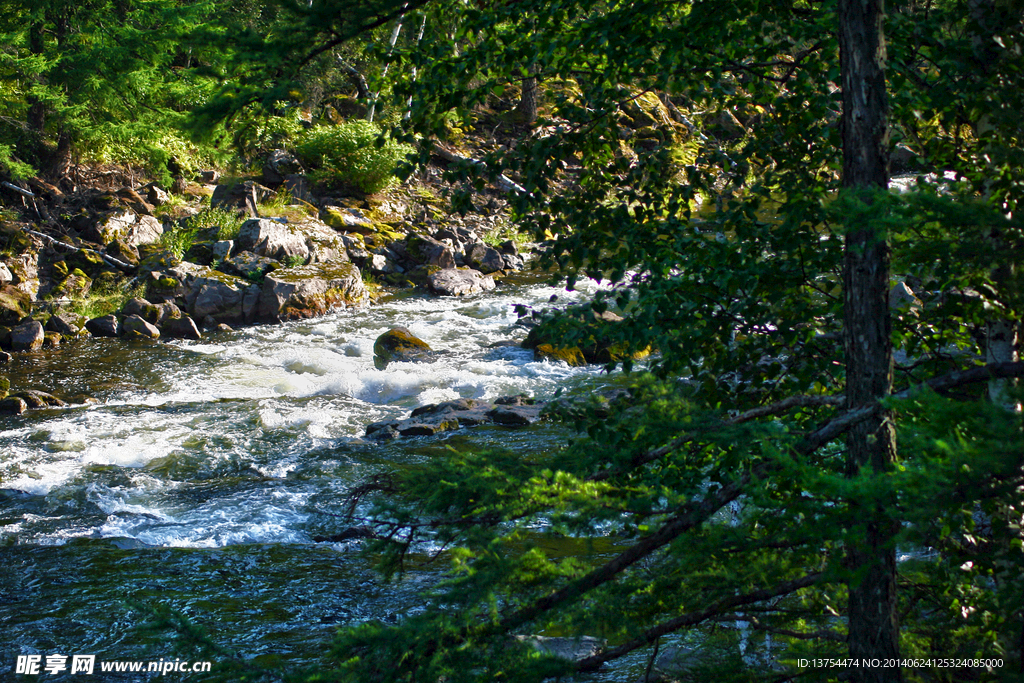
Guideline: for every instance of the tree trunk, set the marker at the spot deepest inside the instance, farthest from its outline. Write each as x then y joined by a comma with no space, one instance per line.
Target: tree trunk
873,627
526,110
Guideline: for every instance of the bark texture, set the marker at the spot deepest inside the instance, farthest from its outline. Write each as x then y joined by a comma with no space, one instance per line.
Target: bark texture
873,626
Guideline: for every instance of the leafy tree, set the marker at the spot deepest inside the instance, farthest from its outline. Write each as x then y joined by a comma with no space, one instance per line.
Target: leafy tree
771,490
103,80
748,499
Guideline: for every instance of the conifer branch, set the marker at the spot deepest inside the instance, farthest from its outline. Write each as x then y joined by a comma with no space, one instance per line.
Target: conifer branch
694,618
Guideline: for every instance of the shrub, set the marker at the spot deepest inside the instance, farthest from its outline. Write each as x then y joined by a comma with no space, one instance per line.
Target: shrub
352,153
228,221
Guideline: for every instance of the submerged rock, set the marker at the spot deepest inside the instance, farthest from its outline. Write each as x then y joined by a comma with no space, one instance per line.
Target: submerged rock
510,411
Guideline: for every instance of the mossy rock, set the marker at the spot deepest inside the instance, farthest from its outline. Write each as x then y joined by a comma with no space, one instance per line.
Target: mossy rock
75,286
87,261
399,344
123,251
14,305
571,355
5,386
592,333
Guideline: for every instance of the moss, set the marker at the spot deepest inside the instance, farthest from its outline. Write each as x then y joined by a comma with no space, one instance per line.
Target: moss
14,305
572,355
5,387
399,343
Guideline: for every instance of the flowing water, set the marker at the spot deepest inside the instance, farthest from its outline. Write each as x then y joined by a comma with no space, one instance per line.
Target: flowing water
198,474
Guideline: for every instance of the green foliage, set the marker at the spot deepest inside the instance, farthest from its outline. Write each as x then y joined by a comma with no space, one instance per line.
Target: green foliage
353,153
179,239
105,297
229,222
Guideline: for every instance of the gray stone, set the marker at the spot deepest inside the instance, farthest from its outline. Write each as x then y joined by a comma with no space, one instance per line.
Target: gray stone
428,251
484,258
181,328
135,326
220,297
27,336
571,649
270,238
248,265
116,225
157,196
346,220
452,282
39,399
65,324
279,164
221,249
104,326
310,291
6,277
148,230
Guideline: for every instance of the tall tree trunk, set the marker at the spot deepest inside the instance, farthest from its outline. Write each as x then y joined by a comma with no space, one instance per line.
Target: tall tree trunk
36,107
873,627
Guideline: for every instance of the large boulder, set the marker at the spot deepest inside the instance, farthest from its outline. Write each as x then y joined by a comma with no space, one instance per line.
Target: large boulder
65,324
399,344
248,265
221,298
311,290
276,240
459,282
181,328
484,258
27,336
594,334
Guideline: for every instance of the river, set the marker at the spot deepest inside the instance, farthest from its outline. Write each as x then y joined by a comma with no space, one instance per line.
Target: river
199,473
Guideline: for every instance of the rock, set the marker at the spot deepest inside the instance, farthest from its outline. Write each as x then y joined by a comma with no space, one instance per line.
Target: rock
270,238
5,387
104,326
27,336
221,297
347,220
65,324
135,201
15,304
148,230
109,227
12,405
5,357
484,258
135,326
428,251
463,412
123,251
157,196
75,286
181,328
279,164
51,340
6,277
25,268
297,185
209,177
902,298
595,337
221,249
309,291
399,345
154,314
508,247
570,649
459,282
240,195
346,535
39,399
248,265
